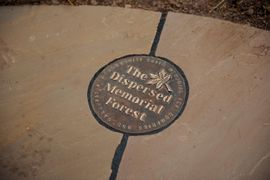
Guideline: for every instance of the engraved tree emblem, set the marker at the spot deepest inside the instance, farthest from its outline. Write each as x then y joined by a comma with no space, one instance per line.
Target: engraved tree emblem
160,79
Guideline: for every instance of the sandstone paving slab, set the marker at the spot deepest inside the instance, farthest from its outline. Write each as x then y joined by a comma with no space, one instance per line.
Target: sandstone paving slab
48,55
224,132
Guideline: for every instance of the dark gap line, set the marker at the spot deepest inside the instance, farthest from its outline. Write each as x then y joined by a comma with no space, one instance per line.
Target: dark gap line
118,156
160,26
119,152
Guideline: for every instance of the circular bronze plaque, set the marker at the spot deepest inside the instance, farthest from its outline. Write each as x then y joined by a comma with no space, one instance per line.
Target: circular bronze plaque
138,94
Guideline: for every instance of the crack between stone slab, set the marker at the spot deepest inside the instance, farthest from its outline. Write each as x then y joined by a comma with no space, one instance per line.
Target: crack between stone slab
118,156
160,26
119,152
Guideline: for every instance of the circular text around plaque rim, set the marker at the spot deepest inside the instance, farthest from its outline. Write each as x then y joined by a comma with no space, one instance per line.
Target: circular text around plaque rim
138,94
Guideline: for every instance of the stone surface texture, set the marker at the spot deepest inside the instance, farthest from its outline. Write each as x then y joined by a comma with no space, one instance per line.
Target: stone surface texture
47,58
224,132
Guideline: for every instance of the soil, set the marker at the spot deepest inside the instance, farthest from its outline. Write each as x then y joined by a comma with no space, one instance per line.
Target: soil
253,12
